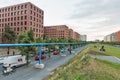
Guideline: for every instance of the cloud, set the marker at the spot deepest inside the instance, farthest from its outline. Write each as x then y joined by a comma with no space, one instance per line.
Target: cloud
97,16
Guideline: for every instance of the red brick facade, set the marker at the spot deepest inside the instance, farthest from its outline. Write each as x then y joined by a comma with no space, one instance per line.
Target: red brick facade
57,31
22,17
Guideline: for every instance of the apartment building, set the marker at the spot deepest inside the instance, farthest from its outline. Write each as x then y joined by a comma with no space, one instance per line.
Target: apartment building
70,34
20,17
56,31
76,36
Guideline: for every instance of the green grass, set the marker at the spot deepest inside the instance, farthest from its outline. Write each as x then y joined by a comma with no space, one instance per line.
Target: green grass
113,65
86,69
110,50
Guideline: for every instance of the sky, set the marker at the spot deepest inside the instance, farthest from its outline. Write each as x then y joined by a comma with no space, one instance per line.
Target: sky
95,18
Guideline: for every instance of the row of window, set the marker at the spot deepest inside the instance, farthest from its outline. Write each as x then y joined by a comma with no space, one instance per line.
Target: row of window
14,24
12,8
14,18
21,24
13,13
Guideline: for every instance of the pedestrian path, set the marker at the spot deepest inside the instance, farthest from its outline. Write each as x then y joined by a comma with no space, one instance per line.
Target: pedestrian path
108,58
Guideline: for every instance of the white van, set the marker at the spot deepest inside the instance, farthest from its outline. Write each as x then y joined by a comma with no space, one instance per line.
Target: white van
14,61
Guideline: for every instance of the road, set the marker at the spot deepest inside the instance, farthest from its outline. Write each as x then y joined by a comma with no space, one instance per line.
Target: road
30,73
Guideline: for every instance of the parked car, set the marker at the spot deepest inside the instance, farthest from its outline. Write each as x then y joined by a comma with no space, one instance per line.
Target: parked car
55,52
14,61
37,57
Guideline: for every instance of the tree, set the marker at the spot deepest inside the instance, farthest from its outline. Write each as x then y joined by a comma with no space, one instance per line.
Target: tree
27,37
8,36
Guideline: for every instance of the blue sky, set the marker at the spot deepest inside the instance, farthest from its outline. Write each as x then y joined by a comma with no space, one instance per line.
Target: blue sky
96,18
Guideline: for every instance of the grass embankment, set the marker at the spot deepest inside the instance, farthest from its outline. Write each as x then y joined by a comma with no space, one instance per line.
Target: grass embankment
86,69
109,50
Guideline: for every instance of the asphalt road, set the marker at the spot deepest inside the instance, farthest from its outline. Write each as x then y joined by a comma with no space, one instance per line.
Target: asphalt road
30,73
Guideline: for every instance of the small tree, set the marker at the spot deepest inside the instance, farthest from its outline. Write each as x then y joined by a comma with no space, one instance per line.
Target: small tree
26,37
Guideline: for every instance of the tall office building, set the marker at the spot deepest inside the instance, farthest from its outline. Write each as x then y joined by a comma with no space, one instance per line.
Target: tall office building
22,17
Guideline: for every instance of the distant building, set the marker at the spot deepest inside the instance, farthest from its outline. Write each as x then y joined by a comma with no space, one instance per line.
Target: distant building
83,37
118,36
76,36
114,37
22,17
56,31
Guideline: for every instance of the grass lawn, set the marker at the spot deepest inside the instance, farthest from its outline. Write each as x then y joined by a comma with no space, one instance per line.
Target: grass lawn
86,69
110,50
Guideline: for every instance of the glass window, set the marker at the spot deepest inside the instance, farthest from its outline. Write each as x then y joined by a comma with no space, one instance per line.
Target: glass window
30,17
25,5
25,17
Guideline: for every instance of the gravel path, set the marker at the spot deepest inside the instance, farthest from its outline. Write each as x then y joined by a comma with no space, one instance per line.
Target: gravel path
108,58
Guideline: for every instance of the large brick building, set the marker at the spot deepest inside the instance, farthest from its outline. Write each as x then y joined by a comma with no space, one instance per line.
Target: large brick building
60,31
57,31
21,17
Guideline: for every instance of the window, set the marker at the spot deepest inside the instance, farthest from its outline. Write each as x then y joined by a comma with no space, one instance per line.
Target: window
14,23
25,5
30,17
11,8
21,23
11,14
18,29
25,11
31,6
34,13
30,11
25,23
5,19
18,12
18,18
14,13
14,8
18,7
14,18
8,19
22,12
21,6
30,23
5,9
8,9
17,23
21,17
2,20
25,17
34,19
11,19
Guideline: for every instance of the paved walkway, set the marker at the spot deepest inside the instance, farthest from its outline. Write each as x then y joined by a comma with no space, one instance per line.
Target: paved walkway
108,58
